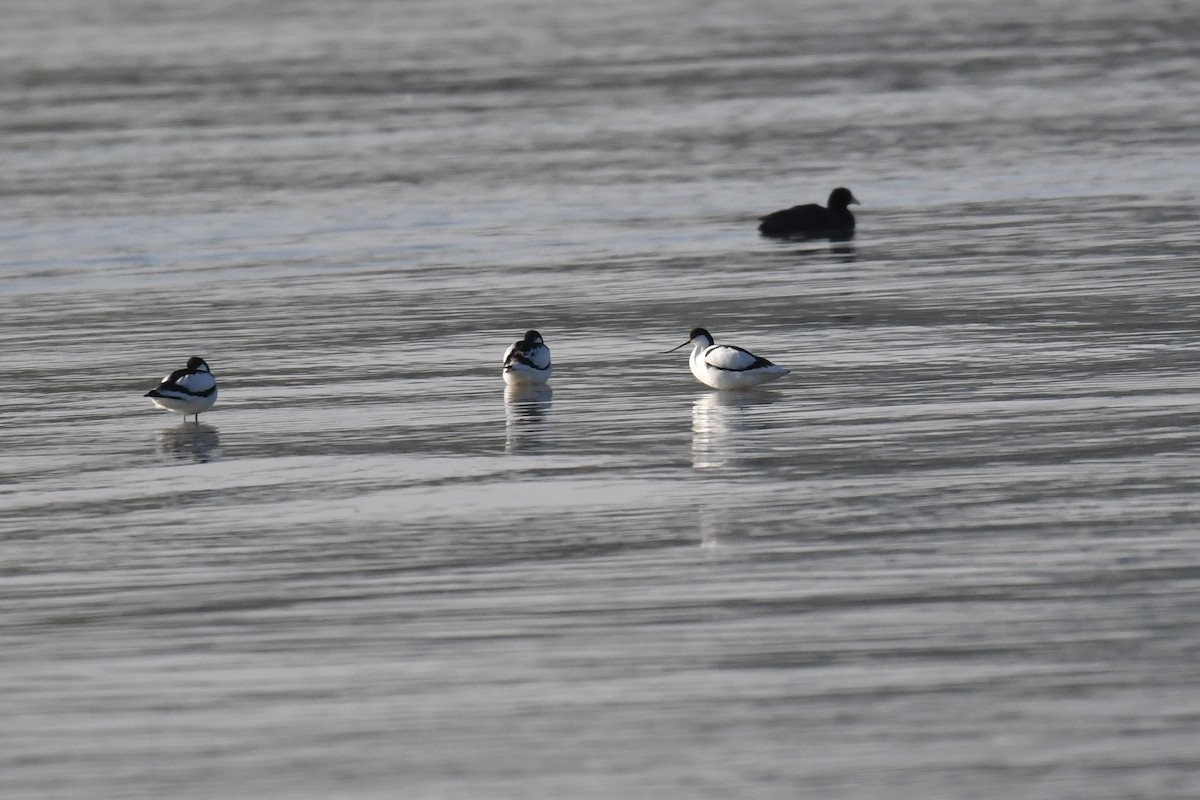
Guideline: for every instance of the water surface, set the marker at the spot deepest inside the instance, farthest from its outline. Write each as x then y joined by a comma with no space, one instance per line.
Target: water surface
952,554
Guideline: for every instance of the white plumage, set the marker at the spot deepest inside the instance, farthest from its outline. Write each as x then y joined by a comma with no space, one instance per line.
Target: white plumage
527,361
724,366
186,391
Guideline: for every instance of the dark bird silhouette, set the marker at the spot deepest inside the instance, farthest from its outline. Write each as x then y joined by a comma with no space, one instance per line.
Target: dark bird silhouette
812,219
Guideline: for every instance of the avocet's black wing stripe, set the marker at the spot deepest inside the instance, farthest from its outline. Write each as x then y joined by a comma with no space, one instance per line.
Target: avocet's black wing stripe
534,356
521,358
729,358
185,383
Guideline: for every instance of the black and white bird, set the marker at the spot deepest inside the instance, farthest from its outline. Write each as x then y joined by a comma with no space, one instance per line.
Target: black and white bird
723,366
527,361
812,219
186,391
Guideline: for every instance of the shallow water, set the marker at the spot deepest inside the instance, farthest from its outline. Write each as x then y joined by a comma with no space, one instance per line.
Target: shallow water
952,554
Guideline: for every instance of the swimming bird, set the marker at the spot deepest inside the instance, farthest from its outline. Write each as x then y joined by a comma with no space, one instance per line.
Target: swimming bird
186,391
527,361
723,366
812,219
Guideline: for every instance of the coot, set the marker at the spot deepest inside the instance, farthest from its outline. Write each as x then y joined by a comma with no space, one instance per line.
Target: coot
812,219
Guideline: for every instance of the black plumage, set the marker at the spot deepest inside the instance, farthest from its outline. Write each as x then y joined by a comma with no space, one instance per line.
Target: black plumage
813,219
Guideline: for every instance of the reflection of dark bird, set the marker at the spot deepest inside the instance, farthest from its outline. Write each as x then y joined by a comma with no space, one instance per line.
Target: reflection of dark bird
812,219
527,361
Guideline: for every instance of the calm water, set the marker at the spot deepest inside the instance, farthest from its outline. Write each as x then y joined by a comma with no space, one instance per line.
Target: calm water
953,554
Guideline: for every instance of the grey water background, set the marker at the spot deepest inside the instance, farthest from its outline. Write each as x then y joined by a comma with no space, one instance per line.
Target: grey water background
953,554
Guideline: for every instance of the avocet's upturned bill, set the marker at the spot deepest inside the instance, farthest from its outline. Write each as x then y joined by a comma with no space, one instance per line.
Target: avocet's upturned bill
527,361
723,366
187,391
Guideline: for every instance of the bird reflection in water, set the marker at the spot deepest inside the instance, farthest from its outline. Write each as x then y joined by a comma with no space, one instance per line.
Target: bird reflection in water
189,442
525,409
710,530
842,249
720,426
